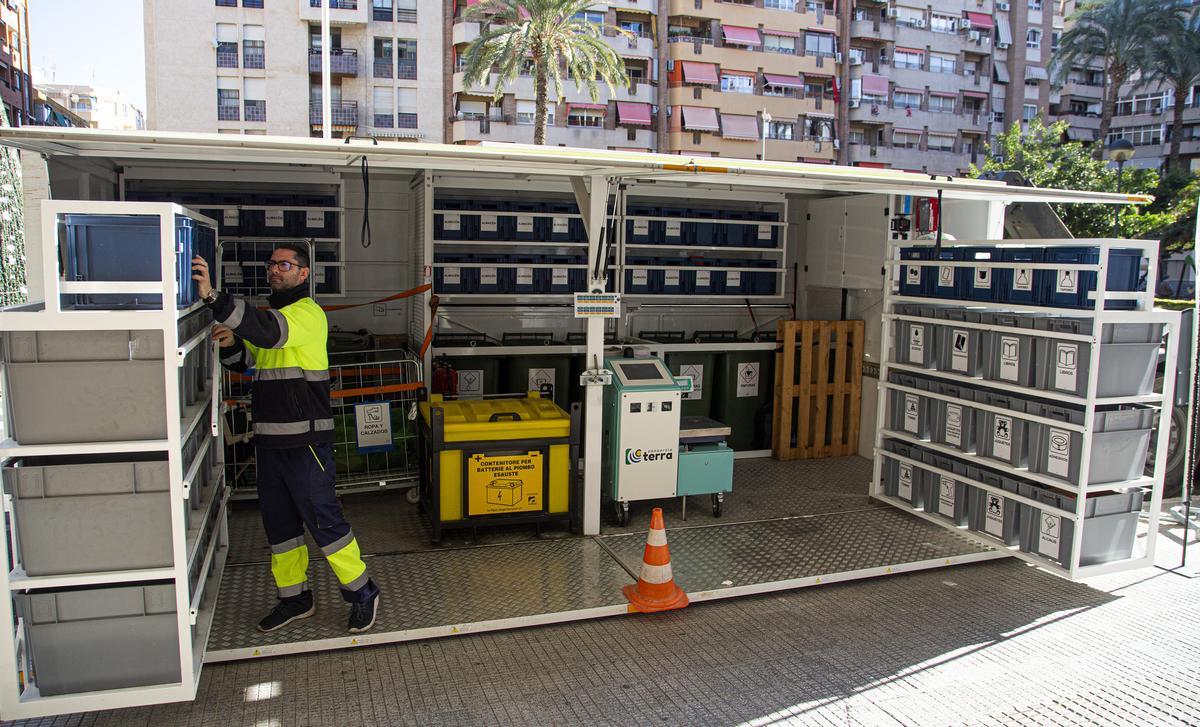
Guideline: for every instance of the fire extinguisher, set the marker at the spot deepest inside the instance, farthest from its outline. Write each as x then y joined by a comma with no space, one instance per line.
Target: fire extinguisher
445,378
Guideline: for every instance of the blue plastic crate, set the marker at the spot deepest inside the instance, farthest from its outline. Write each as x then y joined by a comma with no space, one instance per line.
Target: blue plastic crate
980,282
492,224
528,279
493,277
738,282
526,224
332,282
763,281
1069,288
698,279
1020,285
644,232
672,279
759,235
455,223
642,281
674,231
461,277
126,248
697,231
913,278
559,278
252,222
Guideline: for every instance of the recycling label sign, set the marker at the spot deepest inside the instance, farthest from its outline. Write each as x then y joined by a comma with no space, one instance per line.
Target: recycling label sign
747,379
470,383
373,426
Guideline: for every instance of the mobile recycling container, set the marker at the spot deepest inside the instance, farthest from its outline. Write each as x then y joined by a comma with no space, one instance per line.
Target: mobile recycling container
497,462
744,384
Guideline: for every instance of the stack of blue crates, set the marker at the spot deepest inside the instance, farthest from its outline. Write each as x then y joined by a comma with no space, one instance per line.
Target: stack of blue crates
127,248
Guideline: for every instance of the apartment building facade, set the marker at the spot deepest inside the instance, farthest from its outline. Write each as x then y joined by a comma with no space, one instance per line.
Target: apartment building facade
16,62
99,108
254,67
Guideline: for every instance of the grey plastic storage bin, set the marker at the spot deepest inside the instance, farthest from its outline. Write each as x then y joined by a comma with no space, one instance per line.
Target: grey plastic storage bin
101,638
953,422
1128,358
993,513
910,413
944,493
1008,355
85,386
85,514
916,342
904,481
1120,442
1109,528
959,349
1002,437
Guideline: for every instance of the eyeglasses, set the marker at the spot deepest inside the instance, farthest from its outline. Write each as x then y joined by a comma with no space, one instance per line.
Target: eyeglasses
283,265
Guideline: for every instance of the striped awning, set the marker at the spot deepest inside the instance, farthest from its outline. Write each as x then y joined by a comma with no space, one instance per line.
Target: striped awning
700,118
637,114
694,72
874,85
741,36
783,81
737,126
980,20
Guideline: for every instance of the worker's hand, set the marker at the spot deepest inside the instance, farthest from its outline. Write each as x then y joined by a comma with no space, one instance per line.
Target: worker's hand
200,270
222,335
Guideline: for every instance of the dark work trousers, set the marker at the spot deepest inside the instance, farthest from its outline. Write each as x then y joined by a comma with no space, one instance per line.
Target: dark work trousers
295,492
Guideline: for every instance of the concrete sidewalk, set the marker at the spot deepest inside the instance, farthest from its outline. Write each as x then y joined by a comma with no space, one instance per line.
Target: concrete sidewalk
997,642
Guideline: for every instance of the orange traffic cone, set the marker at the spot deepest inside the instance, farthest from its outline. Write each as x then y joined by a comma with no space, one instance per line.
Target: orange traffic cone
656,589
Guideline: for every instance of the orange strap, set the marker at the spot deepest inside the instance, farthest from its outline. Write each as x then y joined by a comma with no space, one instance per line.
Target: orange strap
363,391
404,294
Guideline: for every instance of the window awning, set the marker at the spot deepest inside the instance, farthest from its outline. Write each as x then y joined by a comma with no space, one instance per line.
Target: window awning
902,130
741,36
1004,33
1001,69
818,115
903,49
736,126
943,94
980,20
874,85
1036,73
783,81
633,113
783,33
974,94
831,31
918,91
742,74
587,106
700,118
695,72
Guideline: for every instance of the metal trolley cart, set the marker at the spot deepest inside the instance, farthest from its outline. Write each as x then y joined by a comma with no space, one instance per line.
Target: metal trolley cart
498,462
374,397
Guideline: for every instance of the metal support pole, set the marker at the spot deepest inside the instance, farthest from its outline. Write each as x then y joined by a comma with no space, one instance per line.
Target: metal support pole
595,219
1117,208
326,52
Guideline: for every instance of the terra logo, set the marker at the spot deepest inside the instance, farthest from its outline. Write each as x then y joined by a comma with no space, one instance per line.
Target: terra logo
634,456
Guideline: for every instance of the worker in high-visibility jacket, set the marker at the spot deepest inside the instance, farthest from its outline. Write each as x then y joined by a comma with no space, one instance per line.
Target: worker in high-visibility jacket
293,434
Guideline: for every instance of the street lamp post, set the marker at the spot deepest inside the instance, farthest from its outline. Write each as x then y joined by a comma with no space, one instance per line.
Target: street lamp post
1120,150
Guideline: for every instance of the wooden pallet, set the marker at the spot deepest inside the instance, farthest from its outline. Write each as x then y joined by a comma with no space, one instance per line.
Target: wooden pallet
818,389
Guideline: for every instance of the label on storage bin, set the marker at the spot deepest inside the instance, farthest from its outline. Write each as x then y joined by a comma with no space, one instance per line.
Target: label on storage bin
945,276
1066,366
507,483
470,383
274,218
314,218
640,277
231,273
487,276
1066,281
319,274
524,224
641,227
1022,279
946,496
231,217
674,228
983,278
671,278
912,402
747,383
373,426
733,279
542,381
906,481
960,350
1010,358
558,277
696,372
954,415
488,223
560,225
764,232
993,522
916,343
451,276
1002,437
702,278
452,221
524,276
1058,452
912,274
1049,535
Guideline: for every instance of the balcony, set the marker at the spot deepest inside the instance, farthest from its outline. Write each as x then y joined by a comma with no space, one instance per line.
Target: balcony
925,160
749,16
256,111
463,32
342,62
640,45
869,153
880,30
523,88
342,113
684,48
740,103
341,12
504,130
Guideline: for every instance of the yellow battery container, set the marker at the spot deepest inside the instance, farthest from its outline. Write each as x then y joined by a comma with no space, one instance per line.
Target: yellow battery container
493,461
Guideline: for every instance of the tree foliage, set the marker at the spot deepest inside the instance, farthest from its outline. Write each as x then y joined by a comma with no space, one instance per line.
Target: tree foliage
13,288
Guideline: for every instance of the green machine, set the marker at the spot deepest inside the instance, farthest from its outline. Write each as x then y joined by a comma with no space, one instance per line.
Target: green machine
650,450
699,365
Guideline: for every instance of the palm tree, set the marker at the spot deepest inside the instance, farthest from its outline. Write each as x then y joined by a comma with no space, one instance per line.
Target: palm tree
1119,33
1175,62
545,36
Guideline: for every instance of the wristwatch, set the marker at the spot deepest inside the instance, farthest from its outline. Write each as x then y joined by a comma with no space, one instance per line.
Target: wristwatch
211,297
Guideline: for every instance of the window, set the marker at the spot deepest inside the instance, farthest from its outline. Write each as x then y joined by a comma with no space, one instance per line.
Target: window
633,26
406,59
1035,4
783,91
906,139
590,16
910,16
857,137
941,104
525,112
256,99
780,4
906,99
1138,135
943,23
406,103
314,37
998,117
382,101
252,4
818,129
1055,37
943,63
227,3
908,59
227,45
228,104
1029,112
818,44
85,103
253,47
381,10
782,130
591,118
970,68
737,83
1033,38
815,89
406,11
779,43
939,142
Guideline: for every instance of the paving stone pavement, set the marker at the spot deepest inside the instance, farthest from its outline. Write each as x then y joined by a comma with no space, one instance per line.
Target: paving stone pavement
992,643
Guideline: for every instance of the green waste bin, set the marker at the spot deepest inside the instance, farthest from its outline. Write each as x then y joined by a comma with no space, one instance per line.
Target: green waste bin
478,375
548,374
743,388
700,365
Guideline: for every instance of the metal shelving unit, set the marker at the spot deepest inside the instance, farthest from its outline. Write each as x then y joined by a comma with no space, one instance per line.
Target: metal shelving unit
198,537
1143,313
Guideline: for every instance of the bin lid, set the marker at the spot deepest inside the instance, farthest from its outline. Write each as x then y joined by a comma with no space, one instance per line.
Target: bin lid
474,420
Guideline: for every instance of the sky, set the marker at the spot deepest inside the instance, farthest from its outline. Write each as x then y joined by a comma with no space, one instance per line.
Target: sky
94,42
